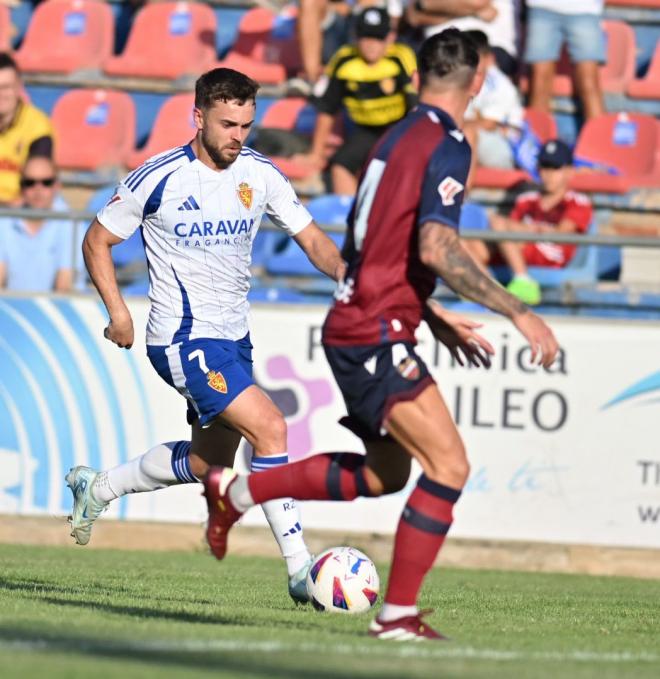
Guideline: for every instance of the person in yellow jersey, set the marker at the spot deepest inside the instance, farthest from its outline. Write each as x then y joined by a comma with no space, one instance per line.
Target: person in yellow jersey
25,131
372,81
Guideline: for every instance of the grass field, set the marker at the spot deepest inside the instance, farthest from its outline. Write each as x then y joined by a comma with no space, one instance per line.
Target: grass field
71,612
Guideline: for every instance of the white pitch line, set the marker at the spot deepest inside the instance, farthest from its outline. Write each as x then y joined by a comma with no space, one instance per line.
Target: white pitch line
383,649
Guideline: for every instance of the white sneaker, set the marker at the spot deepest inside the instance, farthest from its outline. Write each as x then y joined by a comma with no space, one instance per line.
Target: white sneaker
86,509
298,584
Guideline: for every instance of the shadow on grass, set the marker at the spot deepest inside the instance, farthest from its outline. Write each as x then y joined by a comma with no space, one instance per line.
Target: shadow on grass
34,588
282,665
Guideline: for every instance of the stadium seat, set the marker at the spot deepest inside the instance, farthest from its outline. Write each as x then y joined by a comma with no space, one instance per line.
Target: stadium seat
544,126
615,74
284,113
292,261
5,28
173,126
648,87
266,48
589,264
473,216
94,129
625,143
651,4
168,40
542,123
67,35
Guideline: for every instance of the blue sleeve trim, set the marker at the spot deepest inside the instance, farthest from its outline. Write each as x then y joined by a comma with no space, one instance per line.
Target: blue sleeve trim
154,200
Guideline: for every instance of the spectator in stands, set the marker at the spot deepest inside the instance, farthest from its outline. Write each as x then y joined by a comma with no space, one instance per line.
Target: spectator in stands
496,18
38,255
551,24
325,25
24,131
552,209
495,118
372,82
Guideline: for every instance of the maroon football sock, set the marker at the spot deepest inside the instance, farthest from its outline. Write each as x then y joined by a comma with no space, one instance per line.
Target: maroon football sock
330,476
422,529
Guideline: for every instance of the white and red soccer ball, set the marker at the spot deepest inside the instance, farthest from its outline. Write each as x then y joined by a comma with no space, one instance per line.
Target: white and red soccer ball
343,580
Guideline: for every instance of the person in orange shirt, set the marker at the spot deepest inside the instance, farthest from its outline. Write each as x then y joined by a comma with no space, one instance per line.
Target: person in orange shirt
25,131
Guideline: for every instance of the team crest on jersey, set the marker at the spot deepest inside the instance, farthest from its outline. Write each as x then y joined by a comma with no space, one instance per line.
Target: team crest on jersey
408,368
217,381
245,194
388,86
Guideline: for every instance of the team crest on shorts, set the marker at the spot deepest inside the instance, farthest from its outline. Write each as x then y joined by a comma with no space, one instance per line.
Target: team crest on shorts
245,194
408,368
217,381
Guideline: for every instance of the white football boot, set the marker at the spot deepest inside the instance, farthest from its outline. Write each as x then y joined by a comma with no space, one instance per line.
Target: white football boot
86,509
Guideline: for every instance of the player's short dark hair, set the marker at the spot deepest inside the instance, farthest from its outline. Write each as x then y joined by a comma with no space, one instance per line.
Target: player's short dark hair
7,61
224,84
480,41
448,57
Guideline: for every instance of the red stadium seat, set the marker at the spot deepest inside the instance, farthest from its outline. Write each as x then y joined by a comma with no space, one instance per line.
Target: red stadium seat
545,128
173,126
93,128
168,40
627,142
652,4
5,28
648,87
67,35
542,123
283,114
266,48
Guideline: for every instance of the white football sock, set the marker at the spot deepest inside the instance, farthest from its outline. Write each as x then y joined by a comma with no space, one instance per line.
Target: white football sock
283,517
393,612
163,465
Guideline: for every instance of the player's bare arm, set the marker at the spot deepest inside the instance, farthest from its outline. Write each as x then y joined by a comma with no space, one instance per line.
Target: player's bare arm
459,334
98,260
441,250
321,251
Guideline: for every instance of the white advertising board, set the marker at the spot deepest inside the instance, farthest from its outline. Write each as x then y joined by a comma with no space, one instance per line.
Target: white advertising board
568,455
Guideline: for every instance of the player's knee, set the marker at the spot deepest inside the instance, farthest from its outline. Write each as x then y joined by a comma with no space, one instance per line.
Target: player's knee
451,470
271,436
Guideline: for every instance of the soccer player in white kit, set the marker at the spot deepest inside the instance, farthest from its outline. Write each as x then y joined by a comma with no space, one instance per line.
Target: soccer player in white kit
199,207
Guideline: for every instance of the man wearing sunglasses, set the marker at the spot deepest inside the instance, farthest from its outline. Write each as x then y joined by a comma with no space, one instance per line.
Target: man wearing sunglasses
37,255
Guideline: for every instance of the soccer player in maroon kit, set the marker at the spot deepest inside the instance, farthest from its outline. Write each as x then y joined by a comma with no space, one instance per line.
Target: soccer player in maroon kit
402,233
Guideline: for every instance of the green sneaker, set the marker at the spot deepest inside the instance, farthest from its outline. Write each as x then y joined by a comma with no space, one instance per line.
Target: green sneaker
85,508
527,290
298,584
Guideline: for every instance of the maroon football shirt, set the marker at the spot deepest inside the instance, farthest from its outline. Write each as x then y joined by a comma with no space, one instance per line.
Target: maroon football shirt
416,174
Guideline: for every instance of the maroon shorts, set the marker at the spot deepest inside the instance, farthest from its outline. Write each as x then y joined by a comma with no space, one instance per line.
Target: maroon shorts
372,379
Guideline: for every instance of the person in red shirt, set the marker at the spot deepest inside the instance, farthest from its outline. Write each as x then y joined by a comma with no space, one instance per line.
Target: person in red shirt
552,209
402,233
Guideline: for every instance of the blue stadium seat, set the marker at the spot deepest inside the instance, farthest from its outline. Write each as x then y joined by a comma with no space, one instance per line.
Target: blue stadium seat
589,264
292,261
473,216
228,19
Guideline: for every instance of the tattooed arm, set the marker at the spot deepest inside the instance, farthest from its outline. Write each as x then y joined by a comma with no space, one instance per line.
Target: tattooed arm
440,249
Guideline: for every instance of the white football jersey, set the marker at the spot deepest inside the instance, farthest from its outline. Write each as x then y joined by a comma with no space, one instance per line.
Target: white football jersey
198,226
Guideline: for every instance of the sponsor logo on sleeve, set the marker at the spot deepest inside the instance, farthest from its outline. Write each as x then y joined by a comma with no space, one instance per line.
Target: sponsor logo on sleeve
448,189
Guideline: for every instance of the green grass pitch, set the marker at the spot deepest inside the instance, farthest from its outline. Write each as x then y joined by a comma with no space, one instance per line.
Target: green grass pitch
72,612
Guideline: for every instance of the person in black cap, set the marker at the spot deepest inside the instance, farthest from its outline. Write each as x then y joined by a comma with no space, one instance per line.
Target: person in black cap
372,83
552,208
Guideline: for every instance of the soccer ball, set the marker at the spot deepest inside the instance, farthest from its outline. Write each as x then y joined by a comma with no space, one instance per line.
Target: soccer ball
343,580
